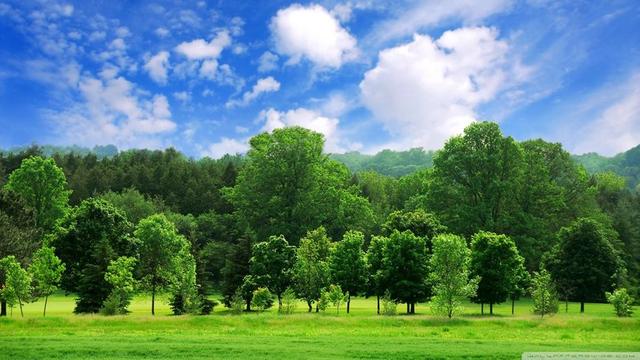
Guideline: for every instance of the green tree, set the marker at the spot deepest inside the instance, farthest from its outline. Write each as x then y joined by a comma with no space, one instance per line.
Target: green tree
449,276
46,271
262,299
495,260
160,243
348,264
289,301
182,285
134,204
42,184
376,272
419,222
585,261
272,265
17,286
405,268
335,296
89,238
621,301
543,294
311,271
236,267
120,276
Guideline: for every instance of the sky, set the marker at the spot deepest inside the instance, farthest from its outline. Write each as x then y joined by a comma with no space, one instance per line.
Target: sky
205,76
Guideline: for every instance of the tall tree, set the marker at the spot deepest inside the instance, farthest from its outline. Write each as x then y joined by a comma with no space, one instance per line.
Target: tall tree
377,283
89,237
160,243
496,261
348,265
46,271
449,274
585,261
134,204
419,222
42,184
311,271
405,268
272,265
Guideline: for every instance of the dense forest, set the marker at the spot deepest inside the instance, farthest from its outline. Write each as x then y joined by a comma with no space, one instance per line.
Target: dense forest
291,220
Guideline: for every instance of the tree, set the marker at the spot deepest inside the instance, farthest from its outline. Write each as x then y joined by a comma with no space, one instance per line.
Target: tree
262,299
405,268
289,301
236,268
182,285
134,204
272,265
160,243
348,265
120,276
42,184
621,301
585,261
520,284
419,222
88,239
46,271
495,260
376,271
17,286
18,235
449,276
475,180
311,271
543,294
334,295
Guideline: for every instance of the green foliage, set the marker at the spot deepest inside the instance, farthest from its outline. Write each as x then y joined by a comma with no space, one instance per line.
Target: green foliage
289,301
377,284
419,222
272,264
405,267
182,285
388,162
621,301
134,204
348,264
543,294
18,235
262,299
17,283
333,295
626,164
236,303
389,306
120,276
449,274
89,238
236,267
46,270
42,184
495,260
311,271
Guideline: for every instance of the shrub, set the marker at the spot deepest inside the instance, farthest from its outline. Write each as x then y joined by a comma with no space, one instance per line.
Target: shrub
236,304
207,305
543,294
289,301
333,295
111,305
389,306
621,301
262,299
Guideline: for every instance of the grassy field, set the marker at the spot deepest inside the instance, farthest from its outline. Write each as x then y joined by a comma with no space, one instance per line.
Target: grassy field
361,334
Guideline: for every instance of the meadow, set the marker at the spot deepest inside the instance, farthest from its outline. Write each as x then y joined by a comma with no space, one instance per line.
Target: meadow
360,334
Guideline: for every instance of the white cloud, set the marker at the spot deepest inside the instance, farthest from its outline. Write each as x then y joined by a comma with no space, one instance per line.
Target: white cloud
200,49
123,32
427,90
183,96
226,146
313,33
428,13
265,85
161,32
208,69
268,61
157,67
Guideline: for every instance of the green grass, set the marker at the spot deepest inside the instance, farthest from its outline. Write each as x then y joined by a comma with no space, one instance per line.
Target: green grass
361,334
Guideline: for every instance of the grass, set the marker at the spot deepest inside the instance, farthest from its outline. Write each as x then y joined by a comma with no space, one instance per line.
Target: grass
361,334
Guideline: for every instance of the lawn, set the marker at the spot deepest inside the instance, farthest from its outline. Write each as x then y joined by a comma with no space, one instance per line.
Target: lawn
361,334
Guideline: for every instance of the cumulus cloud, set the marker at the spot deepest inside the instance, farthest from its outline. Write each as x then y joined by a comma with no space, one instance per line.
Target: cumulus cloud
157,67
427,90
226,146
268,61
161,32
200,49
313,33
265,85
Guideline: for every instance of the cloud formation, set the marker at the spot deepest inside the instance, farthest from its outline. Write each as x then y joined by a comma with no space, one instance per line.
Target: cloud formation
265,85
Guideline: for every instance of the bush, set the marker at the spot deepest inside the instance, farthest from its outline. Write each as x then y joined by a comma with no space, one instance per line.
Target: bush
207,305
262,299
389,306
621,301
177,304
289,301
543,294
333,295
236,304
112,305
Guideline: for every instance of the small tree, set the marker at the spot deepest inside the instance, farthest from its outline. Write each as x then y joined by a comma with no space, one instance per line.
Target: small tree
621,301
262,299
272,265
46,270
236,303
289,301
449,275
543,294
183,285
17,285
120,276
389,306
334,295
348,264
375,265
311,271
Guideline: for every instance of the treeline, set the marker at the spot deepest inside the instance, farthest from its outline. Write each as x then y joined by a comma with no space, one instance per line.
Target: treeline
289,220
626,164
388,162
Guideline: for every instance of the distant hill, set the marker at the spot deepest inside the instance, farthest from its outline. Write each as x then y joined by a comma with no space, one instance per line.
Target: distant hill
626,164
100,151
388,162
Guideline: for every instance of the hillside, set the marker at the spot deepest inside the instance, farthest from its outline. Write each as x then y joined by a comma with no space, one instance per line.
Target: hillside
625,164
388,162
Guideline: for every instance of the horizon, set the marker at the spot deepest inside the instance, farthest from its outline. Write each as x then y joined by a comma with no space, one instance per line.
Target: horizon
204,77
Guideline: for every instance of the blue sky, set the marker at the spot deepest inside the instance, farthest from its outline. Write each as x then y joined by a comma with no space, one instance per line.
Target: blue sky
204,76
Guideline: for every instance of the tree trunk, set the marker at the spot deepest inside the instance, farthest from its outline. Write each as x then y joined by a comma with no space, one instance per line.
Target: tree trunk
378,297
279,302
566,304
348,303
309,305
3,307
481,308
581,306
20,303
408,308
513,306
491,309
153,299
413,308
317,308
44,312
248,306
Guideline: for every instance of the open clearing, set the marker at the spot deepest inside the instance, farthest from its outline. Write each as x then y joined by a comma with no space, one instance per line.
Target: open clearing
361,334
